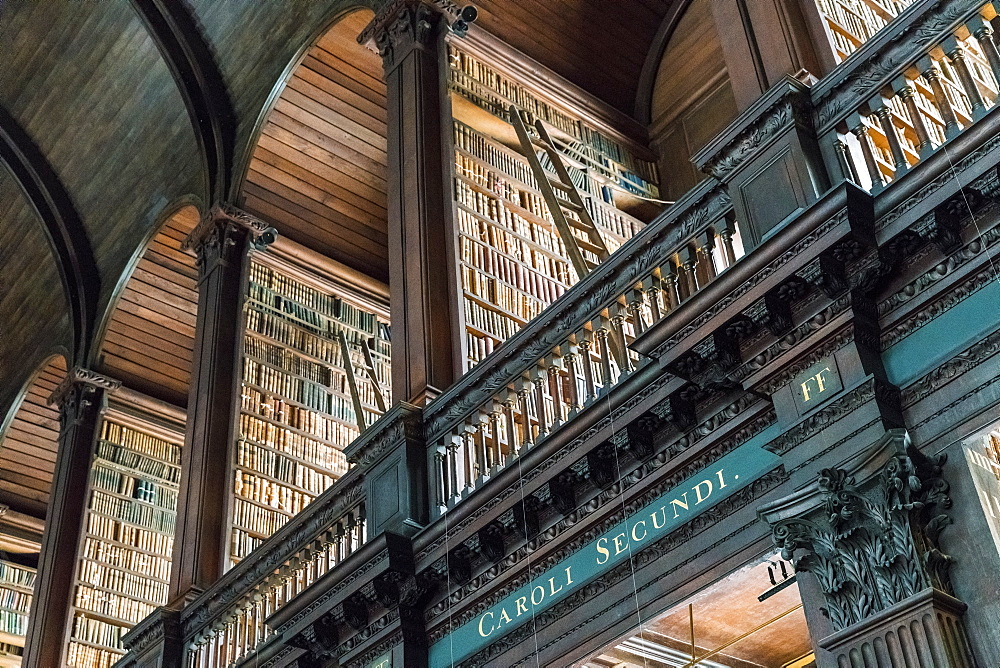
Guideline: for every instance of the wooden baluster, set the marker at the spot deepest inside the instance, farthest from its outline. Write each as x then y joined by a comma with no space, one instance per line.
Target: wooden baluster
729,234
441,470
604,349
706,263
523,388
652,287
509,400
539,379
618,314
904,91
689,267
860,130
585,343
454,490
671,286
983,32
879,106
956,54
846,162
636,300
497,458
571,357
930,71
553,364
468,458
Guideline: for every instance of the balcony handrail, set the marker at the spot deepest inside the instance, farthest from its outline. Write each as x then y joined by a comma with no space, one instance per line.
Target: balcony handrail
238,585
698,209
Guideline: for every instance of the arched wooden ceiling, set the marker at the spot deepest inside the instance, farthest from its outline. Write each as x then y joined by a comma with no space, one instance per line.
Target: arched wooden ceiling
149,338
29,443
600,45
318,172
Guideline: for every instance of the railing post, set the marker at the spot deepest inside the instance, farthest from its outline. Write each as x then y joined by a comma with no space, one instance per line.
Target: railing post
983,32
956,54
393,456
859,129
930,71
904,90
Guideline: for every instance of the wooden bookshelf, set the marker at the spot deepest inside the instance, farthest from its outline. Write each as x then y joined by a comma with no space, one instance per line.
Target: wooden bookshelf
512,261
297,409
16,582
124,563
851,23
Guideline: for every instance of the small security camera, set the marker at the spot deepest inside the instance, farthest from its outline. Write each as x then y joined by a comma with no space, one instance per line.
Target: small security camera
266,238
461,25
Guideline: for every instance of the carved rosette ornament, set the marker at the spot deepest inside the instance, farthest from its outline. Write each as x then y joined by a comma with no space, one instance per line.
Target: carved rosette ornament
870,540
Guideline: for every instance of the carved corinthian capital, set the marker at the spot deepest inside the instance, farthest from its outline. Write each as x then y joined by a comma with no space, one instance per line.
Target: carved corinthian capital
79,391
216,235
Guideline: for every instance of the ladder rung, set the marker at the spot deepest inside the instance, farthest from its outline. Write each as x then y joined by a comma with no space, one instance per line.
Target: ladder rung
559,184
580,225
572,206
587,246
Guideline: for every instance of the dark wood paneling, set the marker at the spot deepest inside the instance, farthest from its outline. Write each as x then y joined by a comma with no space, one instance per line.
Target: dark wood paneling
150,335
596,44
28,447
318,172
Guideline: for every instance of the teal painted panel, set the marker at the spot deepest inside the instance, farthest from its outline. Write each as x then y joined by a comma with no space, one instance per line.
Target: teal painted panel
942,338
673,509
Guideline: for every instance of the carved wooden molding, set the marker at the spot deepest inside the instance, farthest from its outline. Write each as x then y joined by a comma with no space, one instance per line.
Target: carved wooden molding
79,376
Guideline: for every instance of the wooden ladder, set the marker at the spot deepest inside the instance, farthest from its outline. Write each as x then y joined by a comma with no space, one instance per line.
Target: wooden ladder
559,206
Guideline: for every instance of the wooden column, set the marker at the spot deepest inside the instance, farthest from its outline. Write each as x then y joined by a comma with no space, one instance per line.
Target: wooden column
763,40
423,268
81,398
222,242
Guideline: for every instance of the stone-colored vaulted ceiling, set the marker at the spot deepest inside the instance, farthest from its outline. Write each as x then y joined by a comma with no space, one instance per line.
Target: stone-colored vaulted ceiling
113,121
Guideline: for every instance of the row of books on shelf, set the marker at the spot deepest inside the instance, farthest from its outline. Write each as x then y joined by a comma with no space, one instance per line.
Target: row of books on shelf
553,272
323,348
287,360
133,512
307,450
857,17
111,604
14,623
252,457
479,257
312,299
468,71
275,409
17,575
15,601
492,209
98,632
241,543
269,493
9,650
130,459
260,298
478,347
487,150
140,442
494,291
488,321
87,656
102,551
125,583
130,535
255,518
113,480
501,186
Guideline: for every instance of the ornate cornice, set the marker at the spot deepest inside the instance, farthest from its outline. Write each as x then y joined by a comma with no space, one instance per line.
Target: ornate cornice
162,624
785,106
948,371
823,418
613,496
655,552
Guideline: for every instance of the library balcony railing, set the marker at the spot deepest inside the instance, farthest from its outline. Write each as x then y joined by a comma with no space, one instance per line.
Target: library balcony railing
226,623
904,94
573,354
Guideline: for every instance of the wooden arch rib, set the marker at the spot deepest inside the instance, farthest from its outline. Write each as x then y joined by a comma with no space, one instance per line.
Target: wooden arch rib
29,443
149,338
318,171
